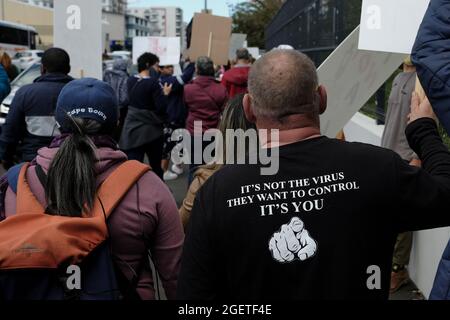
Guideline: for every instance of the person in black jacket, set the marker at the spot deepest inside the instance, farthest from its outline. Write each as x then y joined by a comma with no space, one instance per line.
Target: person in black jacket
143,131
30,123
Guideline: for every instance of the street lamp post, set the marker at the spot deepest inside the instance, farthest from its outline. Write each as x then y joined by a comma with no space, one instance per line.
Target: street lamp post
206,5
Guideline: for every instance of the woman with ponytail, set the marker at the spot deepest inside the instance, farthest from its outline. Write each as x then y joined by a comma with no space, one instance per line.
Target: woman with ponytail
66,175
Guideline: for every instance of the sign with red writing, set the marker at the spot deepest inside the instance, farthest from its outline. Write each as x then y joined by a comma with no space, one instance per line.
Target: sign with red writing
168,49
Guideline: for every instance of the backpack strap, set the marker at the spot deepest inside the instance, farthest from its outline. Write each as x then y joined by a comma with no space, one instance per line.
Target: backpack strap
26,200
13,176
42,176
117,185
109,195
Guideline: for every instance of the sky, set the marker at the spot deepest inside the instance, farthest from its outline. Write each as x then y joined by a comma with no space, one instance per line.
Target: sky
219,7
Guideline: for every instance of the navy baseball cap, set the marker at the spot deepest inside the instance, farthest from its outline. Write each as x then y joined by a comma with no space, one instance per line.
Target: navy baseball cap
87,98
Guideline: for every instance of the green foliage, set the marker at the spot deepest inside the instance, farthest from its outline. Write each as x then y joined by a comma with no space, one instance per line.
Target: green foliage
352,9
444,136
253,17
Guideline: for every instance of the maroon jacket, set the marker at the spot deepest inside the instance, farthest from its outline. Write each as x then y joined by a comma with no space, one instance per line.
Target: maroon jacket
157,220
205,100
236,80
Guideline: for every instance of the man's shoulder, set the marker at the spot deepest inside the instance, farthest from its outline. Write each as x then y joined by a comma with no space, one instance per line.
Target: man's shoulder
190,86
360,154
218,86
151,83
338,148
360,150
229,73
168,79
41,84
232,175
28,89
36,89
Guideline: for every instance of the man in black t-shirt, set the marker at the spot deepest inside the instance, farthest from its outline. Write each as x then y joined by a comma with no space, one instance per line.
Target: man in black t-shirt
324,226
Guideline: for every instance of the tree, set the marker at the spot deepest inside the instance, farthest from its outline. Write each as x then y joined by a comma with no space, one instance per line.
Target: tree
253,17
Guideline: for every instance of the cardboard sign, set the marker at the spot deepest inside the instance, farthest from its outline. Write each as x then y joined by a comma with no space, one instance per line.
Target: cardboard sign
168,49
78,30
391,25
237,42
351,77
210,37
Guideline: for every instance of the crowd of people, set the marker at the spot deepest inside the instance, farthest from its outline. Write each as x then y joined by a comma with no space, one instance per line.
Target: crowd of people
77,191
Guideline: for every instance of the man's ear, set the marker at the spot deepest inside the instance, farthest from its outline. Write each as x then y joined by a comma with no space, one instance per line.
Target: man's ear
43,71
248,110
323,96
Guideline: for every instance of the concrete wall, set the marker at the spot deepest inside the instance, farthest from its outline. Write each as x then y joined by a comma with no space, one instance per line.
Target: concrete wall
427,252
38,17
113,28
171,22
428,245
163,19
363,129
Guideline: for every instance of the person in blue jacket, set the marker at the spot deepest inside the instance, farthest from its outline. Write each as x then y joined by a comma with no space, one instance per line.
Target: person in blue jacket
176,112
431,56
5,87
30,123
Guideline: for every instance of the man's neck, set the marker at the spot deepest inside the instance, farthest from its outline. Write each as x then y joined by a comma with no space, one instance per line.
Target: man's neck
241,63
287,137
305,129
145,73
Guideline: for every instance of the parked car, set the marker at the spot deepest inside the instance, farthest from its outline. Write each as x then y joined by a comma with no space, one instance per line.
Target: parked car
24,59
124,54
117,55
26,77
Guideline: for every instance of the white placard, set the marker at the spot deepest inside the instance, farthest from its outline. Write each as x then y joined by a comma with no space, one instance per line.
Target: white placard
78,30
351,77
254,51
237,42
391,25
168,49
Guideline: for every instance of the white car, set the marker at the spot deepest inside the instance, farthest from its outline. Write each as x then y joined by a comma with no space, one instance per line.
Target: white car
124,54
113,56
25,59
26,77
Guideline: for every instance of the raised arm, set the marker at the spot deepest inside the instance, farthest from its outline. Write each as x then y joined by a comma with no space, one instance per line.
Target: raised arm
423,194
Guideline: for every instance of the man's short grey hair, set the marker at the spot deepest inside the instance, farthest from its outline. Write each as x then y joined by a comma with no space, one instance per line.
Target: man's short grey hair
205,67
283,83
242,54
